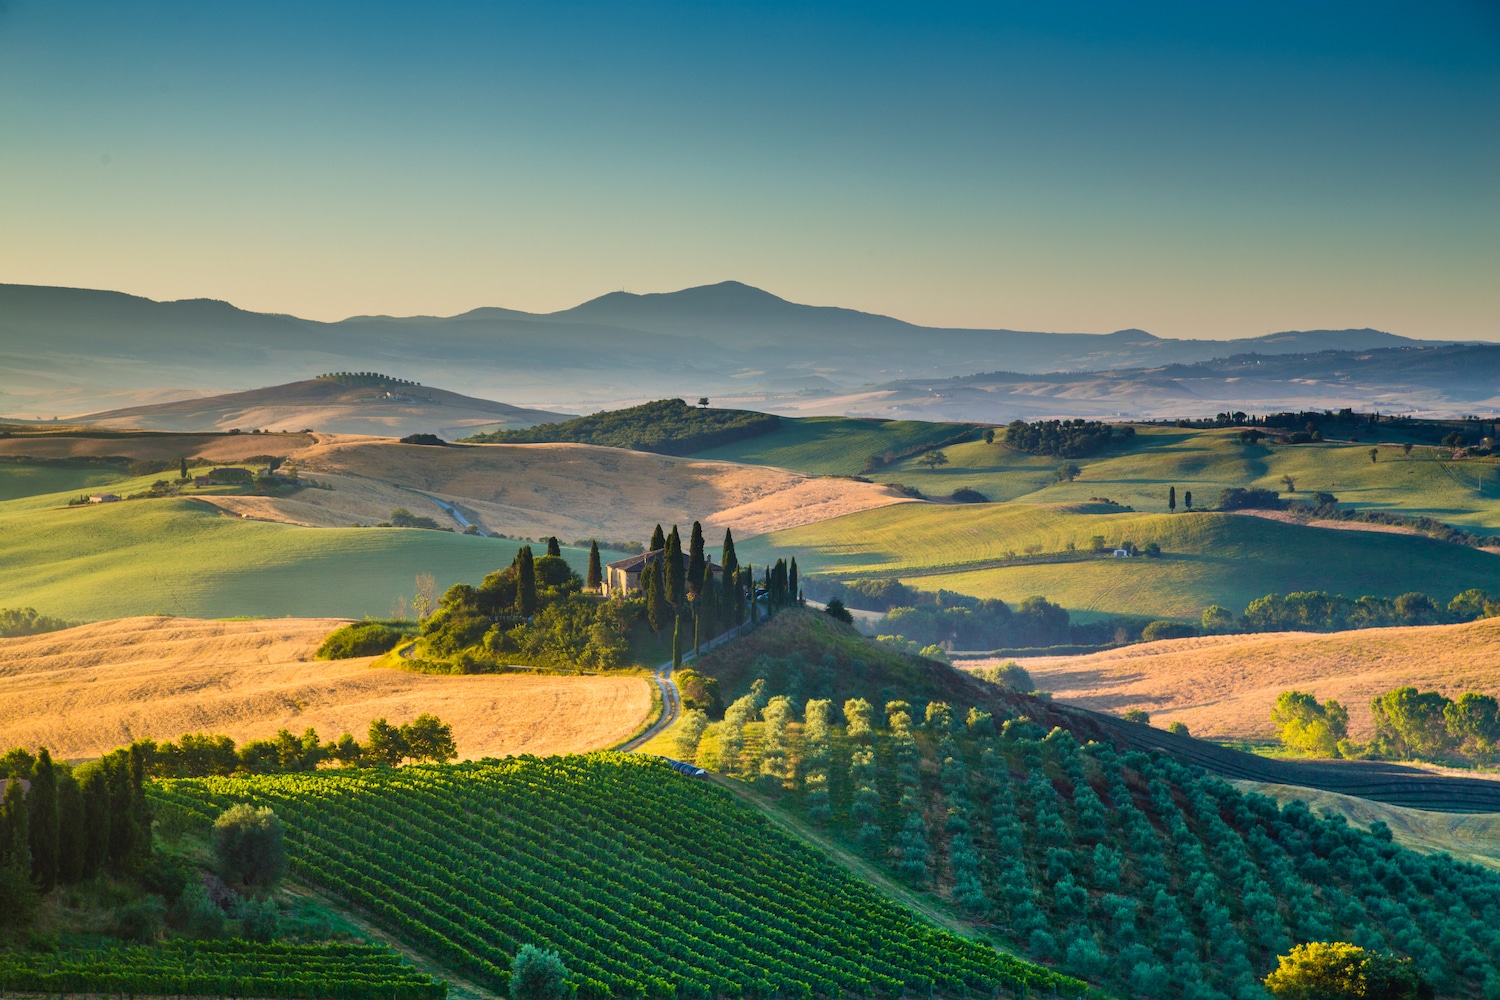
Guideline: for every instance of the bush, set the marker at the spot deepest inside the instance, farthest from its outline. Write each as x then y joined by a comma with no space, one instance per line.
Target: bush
1137,715
197,915
361,639
1167,630
141,921
965,495
1011,675
250,845
1236,498
1340,971
835,609
429,439
1178,728
260,920
537,975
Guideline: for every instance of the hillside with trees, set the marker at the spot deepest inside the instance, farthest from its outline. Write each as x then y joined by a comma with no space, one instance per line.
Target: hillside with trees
666,426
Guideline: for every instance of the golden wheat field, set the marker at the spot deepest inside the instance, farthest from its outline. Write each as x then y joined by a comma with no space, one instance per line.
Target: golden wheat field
570,490
86,690
1224,686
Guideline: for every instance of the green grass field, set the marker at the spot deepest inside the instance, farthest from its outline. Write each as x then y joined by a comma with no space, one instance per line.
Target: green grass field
25,480
181,556
1465,494
832,446
1207,558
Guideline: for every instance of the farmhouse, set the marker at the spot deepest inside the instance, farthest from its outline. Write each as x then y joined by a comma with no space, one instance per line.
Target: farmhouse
620,578
103,498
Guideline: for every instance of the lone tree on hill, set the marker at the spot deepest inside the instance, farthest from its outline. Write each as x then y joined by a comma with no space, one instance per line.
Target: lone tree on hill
989,435
1187,499
1406,448
1172,499
658,540
1374,455
596,572
538,975
1068,471
182,473
1289,483
932,459
702,400
250,845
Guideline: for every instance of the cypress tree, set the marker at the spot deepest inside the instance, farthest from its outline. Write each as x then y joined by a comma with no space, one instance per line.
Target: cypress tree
1172,499
42,803
730,564
677,641
704,605
525,582
793,589
15,828
122,829
183,470
71,828
93,782
596,572
140,809
656,596
698,612
749,574
553,548
658,540
676,580
695,559
1187,499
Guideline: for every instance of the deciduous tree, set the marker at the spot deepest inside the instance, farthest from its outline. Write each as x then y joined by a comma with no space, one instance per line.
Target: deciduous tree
250,845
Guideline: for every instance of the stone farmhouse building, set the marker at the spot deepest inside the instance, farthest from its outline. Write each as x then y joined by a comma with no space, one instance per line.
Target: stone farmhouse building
624,577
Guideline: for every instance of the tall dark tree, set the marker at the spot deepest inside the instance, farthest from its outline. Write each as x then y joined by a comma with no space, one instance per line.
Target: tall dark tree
793,587
525,582
42,803
656,594
123,832
695,559
677,640
748,573
71,827
15,829
140,809
658,540
1187,499
553,548
93,782
596,572
1172,499
729,563
706,606
676,577
183,470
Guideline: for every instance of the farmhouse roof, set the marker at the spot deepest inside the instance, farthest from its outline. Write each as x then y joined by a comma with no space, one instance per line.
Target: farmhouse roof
644,559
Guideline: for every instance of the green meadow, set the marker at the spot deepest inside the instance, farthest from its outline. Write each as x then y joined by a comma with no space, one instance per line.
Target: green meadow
21,479
1013,551
1465,494
181,556
833,446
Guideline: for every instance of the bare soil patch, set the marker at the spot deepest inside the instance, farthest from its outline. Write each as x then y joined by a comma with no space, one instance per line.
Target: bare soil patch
84,691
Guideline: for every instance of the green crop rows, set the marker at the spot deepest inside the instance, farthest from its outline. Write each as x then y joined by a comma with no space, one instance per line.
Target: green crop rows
222,968
649,883
1131,870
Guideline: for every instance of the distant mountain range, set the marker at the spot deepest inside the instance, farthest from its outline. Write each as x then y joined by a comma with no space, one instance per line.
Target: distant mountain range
70,351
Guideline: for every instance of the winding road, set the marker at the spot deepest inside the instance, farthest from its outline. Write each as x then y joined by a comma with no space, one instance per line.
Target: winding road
671,698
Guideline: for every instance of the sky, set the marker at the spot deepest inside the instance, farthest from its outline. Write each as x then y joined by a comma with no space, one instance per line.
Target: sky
1209,169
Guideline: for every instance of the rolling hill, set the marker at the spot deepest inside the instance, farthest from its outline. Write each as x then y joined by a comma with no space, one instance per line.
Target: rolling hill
365,405
68,349
84,691
1223,686
1207,558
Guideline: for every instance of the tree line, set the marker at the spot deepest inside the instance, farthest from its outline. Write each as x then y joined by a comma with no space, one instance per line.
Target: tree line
1076,438
1409,724
1320,611
665,426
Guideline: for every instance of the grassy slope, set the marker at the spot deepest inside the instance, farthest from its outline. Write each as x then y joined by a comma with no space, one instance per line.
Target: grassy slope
180,556
1209,558
837,446
1207,461
30,480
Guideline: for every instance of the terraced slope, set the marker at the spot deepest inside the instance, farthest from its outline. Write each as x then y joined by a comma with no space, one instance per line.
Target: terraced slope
649,883
981,549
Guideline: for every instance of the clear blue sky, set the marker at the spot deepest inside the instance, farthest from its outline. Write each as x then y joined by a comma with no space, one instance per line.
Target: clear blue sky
1210,169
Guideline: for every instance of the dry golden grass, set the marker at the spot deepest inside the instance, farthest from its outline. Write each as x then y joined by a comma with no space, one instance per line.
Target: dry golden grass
165,447
570,490
84,691
1223,687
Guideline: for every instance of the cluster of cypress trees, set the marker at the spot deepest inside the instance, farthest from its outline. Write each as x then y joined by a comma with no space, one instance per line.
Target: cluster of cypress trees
71,826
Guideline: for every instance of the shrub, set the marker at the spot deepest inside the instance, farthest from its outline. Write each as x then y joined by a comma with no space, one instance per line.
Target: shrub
1011,675
1340,971
835,609
965,495
361,639
1179,728
197,914
429,439
260,920
537,974
141,920
1236,498
1167,630
250,845
1137,715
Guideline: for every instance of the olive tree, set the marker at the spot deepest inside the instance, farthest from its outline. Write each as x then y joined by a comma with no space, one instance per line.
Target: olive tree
250,845
538,974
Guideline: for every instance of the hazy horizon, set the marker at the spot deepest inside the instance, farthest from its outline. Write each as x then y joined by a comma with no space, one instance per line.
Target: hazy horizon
1197,171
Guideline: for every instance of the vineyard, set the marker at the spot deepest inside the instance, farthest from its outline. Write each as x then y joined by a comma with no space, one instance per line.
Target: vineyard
1130,870
649,884
221,968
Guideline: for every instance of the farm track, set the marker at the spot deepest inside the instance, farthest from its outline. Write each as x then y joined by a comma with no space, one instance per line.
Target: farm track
1393,784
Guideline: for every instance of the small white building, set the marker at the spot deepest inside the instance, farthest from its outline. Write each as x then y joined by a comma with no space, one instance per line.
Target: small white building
103,498
1122,553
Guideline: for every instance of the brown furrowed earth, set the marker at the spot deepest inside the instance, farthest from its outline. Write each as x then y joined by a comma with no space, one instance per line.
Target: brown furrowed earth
1223,687
84,691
